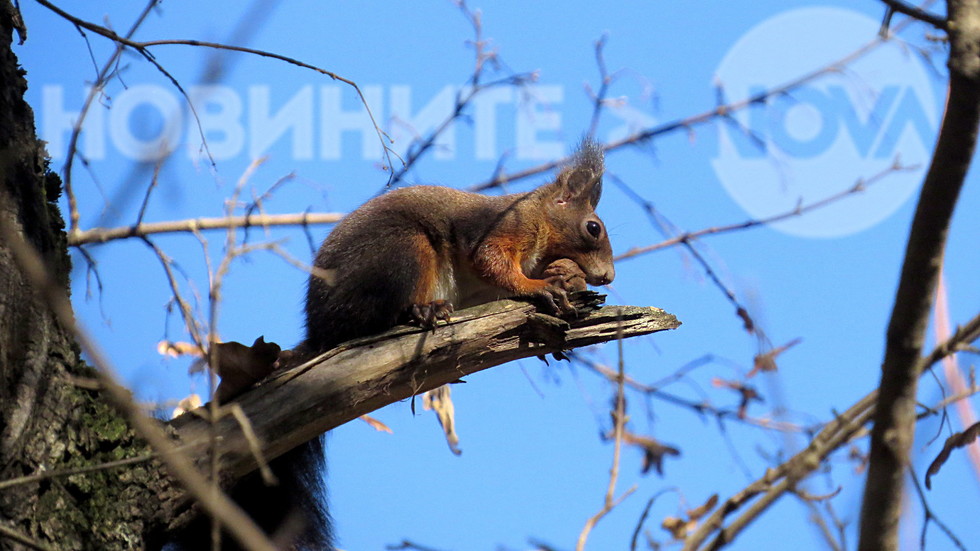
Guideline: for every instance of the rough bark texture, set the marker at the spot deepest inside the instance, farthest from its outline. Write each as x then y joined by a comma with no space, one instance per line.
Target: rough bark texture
46,421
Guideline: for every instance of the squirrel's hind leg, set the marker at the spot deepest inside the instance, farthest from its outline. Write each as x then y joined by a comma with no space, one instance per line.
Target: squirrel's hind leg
426,306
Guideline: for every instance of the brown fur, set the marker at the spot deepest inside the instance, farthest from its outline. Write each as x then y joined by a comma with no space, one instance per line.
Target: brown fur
418,249
421,244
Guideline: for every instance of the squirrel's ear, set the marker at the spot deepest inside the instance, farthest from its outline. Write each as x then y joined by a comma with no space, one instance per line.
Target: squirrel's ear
582,179
579,184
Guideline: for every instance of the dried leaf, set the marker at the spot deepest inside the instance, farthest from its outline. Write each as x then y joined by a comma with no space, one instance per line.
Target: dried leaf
677,527
375,424
859,458
767,361
440,401
177,349
653,451
241,366
186,404
958,440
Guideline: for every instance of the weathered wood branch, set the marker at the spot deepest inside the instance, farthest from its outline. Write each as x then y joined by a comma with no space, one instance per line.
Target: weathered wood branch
366,374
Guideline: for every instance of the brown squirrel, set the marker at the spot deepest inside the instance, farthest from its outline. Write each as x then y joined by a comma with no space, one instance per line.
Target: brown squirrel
414,254
418,252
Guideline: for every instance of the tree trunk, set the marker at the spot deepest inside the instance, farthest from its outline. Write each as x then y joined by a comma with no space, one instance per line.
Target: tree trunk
48,421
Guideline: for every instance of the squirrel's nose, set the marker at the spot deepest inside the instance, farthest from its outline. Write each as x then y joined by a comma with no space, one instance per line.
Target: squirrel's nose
609,275
604,278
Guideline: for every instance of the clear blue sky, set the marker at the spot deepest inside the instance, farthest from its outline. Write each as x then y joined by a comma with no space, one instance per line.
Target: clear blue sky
533,464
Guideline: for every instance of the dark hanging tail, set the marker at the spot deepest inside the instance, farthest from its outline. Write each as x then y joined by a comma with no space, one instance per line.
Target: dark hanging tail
293,512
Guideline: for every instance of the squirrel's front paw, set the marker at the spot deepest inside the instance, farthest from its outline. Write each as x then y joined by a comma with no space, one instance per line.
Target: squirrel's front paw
556,299
563,276
565,273
426,315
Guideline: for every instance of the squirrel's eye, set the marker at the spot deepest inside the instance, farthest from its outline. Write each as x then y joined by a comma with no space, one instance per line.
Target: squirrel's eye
594,229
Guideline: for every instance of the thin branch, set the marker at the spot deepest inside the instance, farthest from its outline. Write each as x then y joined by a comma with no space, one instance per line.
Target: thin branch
242,528
186,312
929,515
701,408
686,123
102,235
56,473
7,532
605,80
143,49
916,13
953,375
844,428
73,213
860,186
464,97
619,425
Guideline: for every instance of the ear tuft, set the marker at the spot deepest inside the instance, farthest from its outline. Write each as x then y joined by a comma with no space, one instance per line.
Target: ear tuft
582,179
590,155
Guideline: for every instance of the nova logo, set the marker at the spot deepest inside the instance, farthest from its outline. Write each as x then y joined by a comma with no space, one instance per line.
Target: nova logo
820,138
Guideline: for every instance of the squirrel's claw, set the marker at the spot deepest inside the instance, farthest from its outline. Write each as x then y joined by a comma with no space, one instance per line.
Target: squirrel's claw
556,299
428,314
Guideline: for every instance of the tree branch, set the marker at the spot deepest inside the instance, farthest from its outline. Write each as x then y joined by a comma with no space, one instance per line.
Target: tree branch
365,374
846,427
143,229
916,13
894,420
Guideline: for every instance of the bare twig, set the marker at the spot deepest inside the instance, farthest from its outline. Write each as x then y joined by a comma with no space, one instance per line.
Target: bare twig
723,111
9,533
953,375
605,80
916,13
475,87
858,187
143,49
619,424
930,516
73,213
238,523
700,407
778,480
102,235
56,473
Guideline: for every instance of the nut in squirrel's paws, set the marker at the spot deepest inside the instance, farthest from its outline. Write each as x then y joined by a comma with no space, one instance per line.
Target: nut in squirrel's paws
426,315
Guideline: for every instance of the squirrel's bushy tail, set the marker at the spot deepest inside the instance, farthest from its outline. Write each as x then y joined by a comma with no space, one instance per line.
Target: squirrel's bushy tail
293,512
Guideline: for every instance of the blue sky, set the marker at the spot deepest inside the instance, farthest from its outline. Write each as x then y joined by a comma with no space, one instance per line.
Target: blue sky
533,463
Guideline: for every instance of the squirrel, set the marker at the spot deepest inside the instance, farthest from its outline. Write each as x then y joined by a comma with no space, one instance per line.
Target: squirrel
416,253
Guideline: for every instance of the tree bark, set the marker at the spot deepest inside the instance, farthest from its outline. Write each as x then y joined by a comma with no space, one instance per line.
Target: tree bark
894,420
48,421
363,375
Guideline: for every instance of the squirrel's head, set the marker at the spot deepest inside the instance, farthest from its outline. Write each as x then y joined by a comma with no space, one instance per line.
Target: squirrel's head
577,232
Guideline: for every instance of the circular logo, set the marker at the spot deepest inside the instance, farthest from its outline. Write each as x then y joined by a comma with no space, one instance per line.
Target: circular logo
821,138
